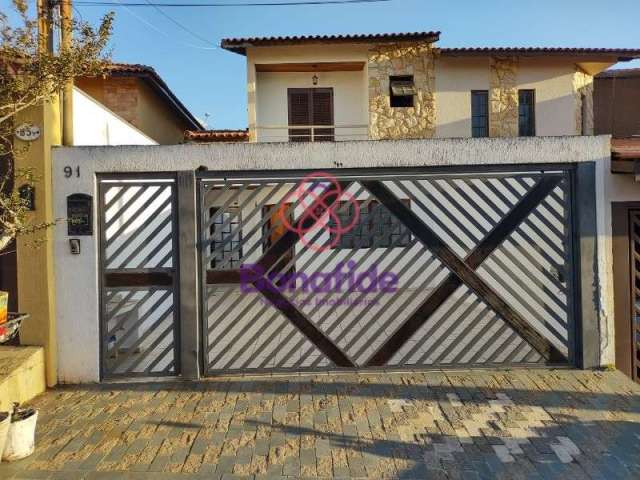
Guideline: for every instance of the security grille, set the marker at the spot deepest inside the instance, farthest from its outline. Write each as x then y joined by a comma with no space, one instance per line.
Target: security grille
476,270
138,265
634,235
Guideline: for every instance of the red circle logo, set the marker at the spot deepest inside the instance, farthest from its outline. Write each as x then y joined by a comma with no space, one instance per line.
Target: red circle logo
321,196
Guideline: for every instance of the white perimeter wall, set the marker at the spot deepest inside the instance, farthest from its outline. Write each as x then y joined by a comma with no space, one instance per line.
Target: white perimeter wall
77,275
609,188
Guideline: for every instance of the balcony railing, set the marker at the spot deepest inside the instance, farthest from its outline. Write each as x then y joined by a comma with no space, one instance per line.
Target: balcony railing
311,133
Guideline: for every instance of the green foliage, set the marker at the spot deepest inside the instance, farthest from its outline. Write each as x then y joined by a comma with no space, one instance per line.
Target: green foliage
31,75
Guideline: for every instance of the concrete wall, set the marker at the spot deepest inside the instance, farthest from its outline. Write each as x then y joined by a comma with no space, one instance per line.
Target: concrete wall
552,81
36,292
77,275
610,188
455,78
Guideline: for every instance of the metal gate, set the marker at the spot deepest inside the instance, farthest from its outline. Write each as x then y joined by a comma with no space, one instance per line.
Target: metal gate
138,260
392,268
634,249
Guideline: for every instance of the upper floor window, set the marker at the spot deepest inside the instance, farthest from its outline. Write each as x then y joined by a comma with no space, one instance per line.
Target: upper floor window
310,108
526,113
479,113
402,90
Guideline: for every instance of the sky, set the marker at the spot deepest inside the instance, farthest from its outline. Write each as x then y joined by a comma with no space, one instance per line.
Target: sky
212,82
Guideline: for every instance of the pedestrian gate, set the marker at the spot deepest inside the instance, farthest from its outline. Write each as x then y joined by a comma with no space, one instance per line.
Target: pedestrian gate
386,268
138,243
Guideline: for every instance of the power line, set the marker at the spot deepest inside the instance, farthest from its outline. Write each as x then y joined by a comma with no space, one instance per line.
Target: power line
90,3
162,32
180,25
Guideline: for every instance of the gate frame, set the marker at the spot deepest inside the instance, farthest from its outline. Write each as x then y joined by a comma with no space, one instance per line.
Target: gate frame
100,205
583,316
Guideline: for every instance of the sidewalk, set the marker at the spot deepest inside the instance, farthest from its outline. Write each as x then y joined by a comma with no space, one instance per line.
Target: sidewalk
534,424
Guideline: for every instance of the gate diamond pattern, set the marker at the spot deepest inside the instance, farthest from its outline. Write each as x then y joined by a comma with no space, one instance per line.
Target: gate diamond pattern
482,263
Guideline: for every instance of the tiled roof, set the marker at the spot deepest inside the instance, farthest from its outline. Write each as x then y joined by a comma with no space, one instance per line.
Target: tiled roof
207,136
239,45
159,85
620,73
625,148
616,52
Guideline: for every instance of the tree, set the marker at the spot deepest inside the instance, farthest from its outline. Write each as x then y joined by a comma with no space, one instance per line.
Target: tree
31,75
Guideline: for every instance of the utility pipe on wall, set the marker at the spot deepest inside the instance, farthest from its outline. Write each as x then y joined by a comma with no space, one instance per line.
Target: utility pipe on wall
66,19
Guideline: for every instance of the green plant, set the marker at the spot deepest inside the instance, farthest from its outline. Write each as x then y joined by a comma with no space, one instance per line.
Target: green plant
31,75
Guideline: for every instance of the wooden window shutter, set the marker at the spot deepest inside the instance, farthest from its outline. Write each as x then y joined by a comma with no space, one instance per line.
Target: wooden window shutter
299,114
322,113
310,106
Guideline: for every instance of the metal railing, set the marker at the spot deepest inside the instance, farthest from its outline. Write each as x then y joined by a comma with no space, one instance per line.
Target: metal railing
311,133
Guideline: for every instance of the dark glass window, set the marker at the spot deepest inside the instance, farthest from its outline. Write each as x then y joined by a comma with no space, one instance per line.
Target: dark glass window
479,113
401,91
226,238
526,113
377,227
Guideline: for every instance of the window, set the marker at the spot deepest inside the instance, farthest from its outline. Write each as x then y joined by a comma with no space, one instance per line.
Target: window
526,113
226,238
401,91
310,107
377,227
479,113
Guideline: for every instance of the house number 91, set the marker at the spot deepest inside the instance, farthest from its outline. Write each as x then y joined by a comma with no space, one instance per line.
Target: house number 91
68,171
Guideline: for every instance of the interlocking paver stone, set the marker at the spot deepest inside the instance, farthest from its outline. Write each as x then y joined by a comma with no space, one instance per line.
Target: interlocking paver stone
520,424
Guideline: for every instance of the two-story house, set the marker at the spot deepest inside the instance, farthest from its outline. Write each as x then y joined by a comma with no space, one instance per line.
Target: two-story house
390,86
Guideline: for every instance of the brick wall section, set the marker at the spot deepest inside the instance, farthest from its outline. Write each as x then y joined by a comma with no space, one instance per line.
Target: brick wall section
121,97
386,122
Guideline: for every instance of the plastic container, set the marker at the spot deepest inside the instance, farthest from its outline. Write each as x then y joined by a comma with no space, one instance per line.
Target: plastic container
5,423
22,434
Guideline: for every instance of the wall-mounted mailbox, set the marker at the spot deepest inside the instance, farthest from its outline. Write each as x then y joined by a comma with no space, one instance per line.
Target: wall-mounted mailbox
79,214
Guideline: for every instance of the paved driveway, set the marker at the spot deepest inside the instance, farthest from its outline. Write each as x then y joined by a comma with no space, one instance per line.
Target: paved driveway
534,424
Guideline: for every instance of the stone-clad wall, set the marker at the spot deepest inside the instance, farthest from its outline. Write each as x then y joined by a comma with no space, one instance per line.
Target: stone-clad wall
419,121
503,97
583,85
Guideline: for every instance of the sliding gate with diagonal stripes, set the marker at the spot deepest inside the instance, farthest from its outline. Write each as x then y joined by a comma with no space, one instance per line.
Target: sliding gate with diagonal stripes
386,268
138,257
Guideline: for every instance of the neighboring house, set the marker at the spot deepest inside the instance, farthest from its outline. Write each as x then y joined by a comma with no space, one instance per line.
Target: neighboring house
131,105
213,136
391,86
616,103
138,95
94,124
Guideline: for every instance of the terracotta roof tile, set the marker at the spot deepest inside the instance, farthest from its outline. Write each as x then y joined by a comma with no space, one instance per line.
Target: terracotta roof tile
239,45
617,52
156,82
625,148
